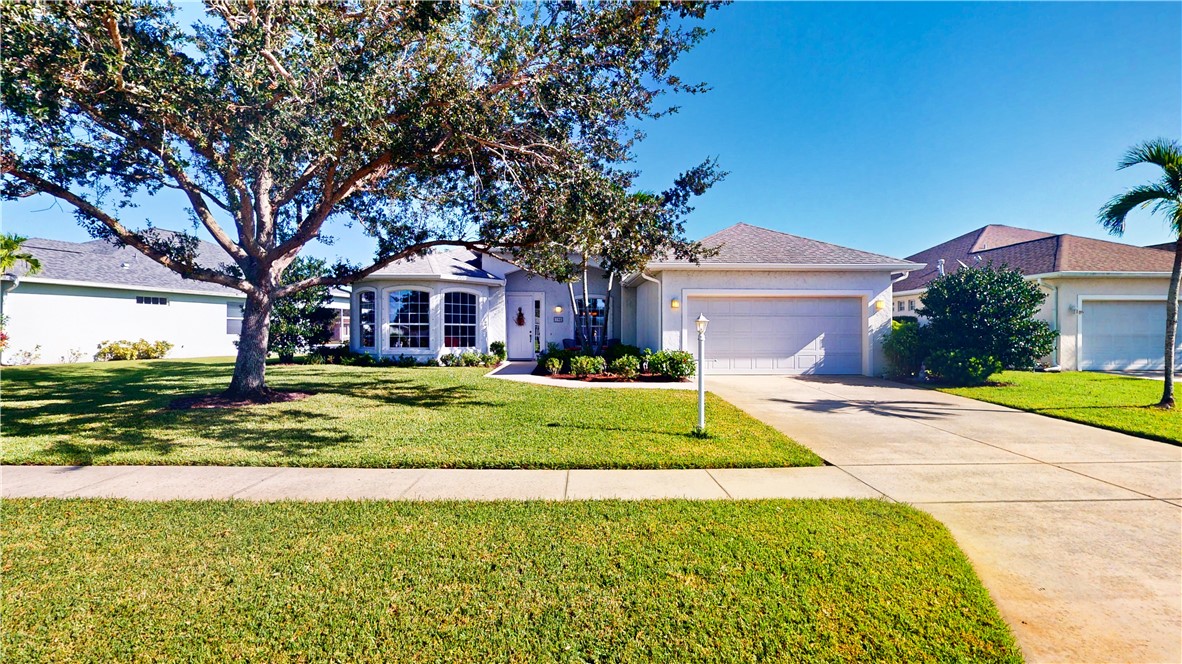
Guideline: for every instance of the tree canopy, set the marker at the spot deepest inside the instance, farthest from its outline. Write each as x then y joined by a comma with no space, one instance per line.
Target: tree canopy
424,124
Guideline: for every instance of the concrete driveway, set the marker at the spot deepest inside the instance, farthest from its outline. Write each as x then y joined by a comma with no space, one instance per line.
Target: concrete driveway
1075,531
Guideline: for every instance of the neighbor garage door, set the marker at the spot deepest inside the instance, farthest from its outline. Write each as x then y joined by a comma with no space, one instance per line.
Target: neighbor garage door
1122,335
786,335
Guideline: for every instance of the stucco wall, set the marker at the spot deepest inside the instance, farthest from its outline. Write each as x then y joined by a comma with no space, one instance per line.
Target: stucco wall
870,285
648,315
65,319
1071,289
556,294
489,309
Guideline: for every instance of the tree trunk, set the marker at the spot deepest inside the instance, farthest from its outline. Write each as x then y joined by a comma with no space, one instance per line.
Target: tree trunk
1167,395
250,369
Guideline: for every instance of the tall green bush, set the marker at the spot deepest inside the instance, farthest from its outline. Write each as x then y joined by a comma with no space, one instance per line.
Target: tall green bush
905,349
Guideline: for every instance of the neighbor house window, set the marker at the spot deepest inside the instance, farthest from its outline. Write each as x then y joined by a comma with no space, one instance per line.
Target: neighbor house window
910,305
143,299
459,319
410,319
595,311
234,314
366,310
902,304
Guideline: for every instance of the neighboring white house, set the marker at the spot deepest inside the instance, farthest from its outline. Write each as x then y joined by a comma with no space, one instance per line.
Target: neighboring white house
777,303
91,292
1106,299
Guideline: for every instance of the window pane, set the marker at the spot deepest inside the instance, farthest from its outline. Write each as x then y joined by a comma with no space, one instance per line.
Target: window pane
410,324
459,320
595,310
366,301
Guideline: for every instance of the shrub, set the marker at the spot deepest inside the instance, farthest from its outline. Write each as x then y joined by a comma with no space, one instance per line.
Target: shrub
958,367
905,349
469,359
553,365
406,361
988,312
132,350
451,360
586,365
553,352
617,351
905,318
675,364
490,360
498,348
625,366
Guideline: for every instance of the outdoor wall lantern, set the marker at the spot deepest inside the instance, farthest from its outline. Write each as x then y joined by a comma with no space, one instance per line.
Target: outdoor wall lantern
879,305
675,303
558,308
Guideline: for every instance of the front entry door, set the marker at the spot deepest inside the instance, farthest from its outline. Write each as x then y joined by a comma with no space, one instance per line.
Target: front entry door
524,321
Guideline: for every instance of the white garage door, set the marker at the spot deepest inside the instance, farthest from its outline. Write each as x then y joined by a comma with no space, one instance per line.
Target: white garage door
785,335
1122,336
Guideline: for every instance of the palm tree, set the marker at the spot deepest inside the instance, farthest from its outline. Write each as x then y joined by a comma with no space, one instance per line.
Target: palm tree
1165,195
11,254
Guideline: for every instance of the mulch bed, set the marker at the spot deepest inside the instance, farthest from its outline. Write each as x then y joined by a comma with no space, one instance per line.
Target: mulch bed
608,378
220,401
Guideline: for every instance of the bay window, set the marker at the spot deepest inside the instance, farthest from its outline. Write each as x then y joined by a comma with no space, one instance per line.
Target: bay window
459,319
409,319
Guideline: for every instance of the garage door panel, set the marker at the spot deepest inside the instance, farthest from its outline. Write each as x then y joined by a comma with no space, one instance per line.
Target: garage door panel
1121,335
790,335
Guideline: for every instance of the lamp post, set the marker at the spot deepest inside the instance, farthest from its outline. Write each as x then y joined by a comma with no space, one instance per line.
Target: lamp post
701,324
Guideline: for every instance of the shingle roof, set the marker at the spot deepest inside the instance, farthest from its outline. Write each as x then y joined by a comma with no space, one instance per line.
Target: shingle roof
452,264
744,243
1039,253
100,262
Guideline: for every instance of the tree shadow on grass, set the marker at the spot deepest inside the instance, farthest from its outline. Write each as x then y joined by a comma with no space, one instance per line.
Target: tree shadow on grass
95,411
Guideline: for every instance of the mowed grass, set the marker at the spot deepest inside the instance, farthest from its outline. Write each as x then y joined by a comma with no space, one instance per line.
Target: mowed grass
868,580
1112,402
116,413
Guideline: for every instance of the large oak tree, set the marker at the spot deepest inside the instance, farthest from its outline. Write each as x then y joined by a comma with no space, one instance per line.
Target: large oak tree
426,124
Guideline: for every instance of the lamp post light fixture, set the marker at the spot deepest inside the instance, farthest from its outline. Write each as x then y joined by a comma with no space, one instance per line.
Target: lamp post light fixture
701,324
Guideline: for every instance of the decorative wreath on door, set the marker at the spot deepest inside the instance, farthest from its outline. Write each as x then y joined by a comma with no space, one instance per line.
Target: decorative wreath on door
520,318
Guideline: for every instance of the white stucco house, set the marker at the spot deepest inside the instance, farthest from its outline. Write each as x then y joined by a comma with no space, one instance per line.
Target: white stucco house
1106,299
91,292
778,304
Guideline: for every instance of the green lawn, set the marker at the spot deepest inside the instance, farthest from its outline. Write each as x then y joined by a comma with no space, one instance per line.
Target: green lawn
115,413
590,581
1112,402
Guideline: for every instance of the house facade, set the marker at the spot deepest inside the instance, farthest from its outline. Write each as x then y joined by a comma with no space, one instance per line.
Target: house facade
88,293
1106,299
778,304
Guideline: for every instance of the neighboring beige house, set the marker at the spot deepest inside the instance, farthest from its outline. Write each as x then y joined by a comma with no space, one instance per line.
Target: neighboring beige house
1106,299
777,303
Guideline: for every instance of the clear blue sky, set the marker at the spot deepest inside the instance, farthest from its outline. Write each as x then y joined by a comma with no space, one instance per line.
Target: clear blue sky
891,127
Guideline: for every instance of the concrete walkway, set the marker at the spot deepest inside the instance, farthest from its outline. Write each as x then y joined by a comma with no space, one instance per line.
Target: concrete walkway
1075,531
214,482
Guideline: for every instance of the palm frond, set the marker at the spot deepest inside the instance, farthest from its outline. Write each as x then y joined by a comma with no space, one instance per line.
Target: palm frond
1162,152
1112,216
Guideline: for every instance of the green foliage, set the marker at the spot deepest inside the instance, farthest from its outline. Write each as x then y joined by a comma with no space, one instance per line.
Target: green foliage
11,254
132,350
300,321
498,348
905,349
904,318
553,365
555,352
674,364
960,367
490,359
625,366
987,312
451,360
620,350
470,359
586,365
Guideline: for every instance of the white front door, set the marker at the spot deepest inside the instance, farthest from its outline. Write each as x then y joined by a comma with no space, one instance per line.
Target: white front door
523,317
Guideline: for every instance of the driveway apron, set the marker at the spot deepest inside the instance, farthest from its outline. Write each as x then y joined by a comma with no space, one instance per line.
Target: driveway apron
1075,531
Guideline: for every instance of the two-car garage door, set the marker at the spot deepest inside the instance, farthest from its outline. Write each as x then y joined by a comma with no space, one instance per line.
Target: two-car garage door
1121,335
781,335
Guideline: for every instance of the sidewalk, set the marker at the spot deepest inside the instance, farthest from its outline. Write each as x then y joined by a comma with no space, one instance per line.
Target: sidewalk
263,484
